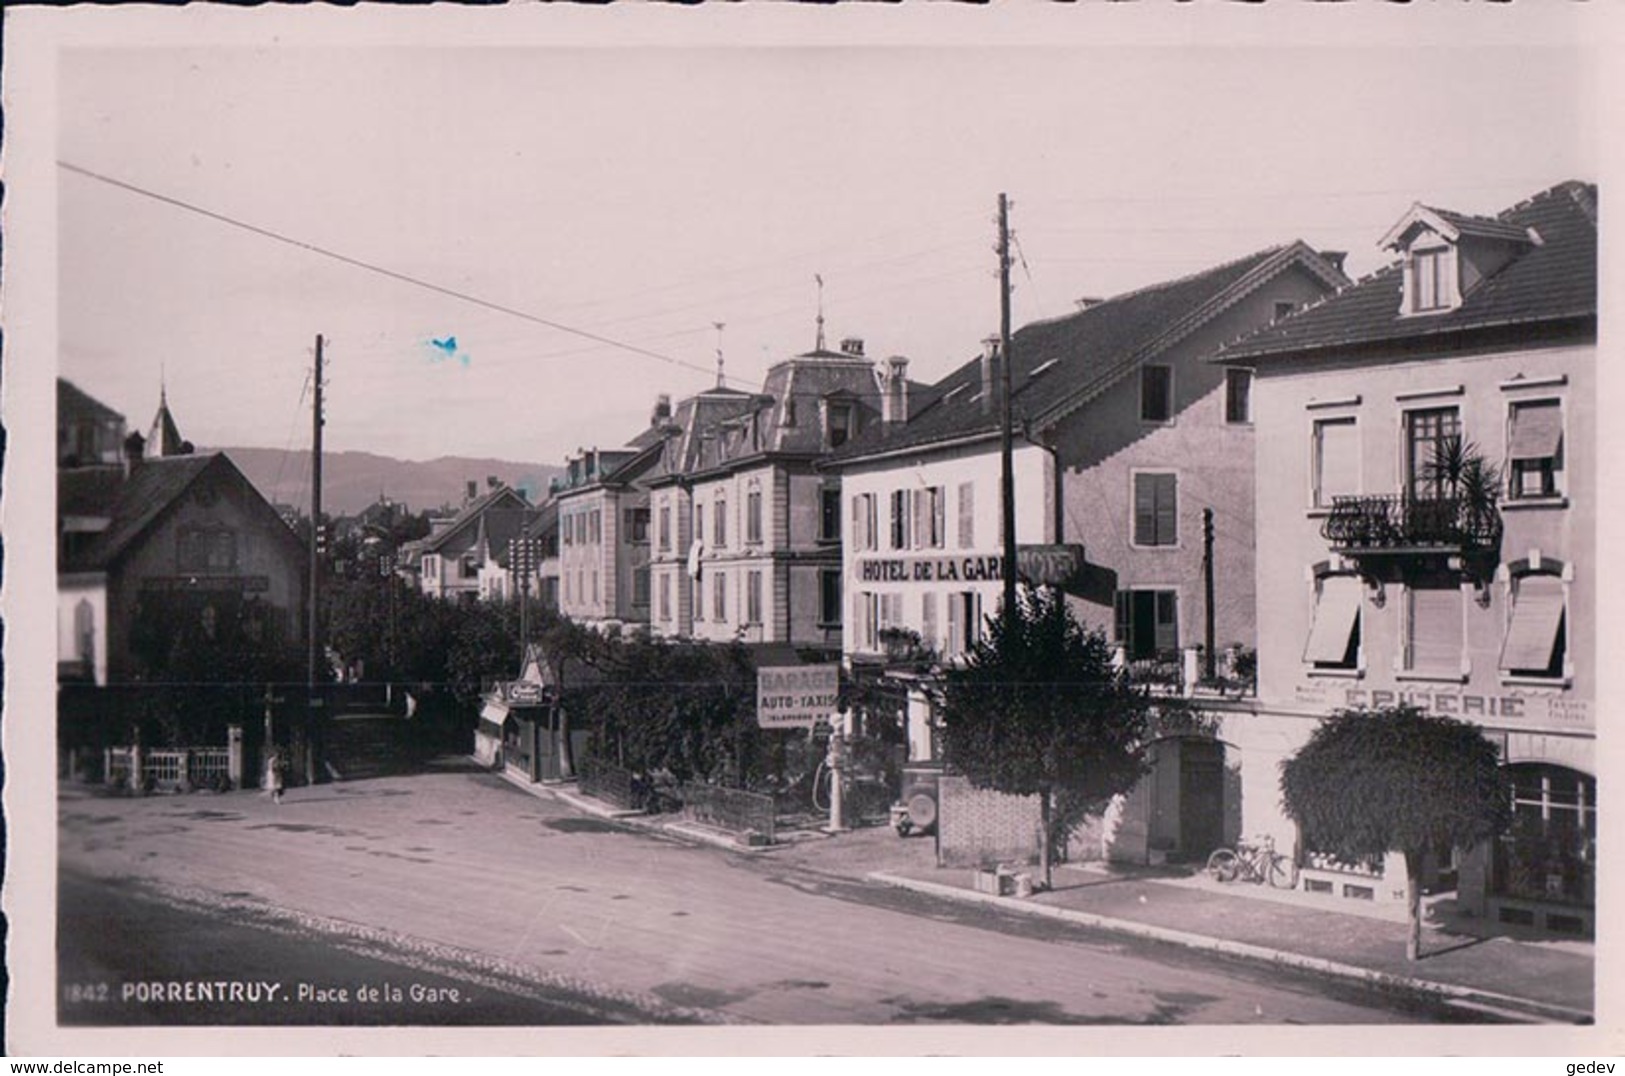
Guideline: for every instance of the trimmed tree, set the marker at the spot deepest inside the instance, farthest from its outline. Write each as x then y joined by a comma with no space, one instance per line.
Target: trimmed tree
1396,779
1039,710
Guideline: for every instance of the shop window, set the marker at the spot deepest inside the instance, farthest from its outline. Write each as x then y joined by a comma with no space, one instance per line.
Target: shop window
1156,393
1550,850
1337,460
1156,509
1434,629
1334,631
1534,449
1536,644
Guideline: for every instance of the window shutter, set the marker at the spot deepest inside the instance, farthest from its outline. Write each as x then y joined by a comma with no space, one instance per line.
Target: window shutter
1435,628
955,631
1167,509
1167,620
1145,510
1122,619
939,517
928,619
1537,428
1537,614
1337,611
967,515
921,500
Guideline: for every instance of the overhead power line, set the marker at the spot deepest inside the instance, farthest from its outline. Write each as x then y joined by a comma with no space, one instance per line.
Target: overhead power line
372,267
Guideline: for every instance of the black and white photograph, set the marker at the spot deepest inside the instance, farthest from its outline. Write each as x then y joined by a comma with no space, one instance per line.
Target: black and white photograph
918,530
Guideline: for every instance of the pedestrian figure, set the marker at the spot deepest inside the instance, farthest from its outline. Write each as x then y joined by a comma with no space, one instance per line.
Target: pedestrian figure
274,767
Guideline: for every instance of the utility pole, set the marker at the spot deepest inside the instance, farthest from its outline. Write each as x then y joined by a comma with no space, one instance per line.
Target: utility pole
1007,476
1207,582
314,611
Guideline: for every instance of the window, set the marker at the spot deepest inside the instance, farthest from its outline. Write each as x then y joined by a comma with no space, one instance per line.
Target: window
595,586
1147,622
596,525
719,597
863,522
569,530
967,515
206,549
753,517
640,587
1550,852
1156,393
665,598
696,597
1429,290
928,518
1238,396
1337,460
469,567
829,518
1536,640
699,522
1284,308
1434,629
899,518
964,621
84,631
665,528
928,620
789,411
1426,435
753,597
1156,516
1534,448
637,525
829,596
1334,630
863,614
838,424
719,531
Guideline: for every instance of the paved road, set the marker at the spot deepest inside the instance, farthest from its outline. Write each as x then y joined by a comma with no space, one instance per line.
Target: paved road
465,867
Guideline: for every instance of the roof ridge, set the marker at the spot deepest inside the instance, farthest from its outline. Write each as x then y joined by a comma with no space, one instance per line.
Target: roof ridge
1572,187
1147,289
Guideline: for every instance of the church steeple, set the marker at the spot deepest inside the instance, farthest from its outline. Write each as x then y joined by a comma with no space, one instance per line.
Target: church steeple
165,437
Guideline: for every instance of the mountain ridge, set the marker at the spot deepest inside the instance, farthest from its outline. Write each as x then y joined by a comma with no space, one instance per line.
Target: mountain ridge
353,479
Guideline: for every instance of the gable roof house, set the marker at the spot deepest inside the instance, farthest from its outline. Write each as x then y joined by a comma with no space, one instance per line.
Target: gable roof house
1396,579
1124,438
449,560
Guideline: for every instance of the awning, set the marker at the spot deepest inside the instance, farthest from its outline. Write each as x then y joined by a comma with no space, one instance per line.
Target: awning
1335,613
494,711
1537,613
1537,430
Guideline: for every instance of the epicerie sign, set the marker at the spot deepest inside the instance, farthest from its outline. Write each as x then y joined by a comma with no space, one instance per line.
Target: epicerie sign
796,696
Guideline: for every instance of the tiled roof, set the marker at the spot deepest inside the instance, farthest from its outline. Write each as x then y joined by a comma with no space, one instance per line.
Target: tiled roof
140,500
1555,279
486,501
74,404
693,418
1068,360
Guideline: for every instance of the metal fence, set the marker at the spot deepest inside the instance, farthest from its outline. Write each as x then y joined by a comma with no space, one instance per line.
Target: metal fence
170,769
611,783
730,808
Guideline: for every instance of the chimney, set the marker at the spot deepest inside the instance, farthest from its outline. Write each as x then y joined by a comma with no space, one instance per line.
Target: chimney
662,411
134,448
1335,257
492,481
894,391
852,345
990,362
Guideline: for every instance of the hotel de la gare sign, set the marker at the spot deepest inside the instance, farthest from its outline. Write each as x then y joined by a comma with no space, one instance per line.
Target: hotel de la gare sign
1040,565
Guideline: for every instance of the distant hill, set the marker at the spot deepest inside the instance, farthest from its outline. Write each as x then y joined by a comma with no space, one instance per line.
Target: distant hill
353,480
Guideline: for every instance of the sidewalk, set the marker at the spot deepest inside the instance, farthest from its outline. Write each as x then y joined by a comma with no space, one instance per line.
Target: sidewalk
1464,961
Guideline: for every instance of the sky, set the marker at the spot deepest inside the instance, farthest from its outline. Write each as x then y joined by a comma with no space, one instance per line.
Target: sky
644,195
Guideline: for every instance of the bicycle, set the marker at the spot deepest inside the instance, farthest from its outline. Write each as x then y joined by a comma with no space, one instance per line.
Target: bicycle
1254,861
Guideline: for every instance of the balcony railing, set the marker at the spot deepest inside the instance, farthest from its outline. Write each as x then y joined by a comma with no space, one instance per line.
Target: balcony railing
1401,523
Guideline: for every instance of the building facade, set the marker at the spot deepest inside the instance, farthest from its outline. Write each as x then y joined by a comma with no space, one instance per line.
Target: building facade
1125,437
451,559
1393,579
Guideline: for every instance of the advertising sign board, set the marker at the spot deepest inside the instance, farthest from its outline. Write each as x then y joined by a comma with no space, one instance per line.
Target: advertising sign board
796,696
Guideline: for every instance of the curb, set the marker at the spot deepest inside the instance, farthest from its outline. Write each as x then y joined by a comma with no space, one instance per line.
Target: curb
1462,996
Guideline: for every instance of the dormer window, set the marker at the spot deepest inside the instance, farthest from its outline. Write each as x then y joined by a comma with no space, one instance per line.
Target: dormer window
837,424
1430,280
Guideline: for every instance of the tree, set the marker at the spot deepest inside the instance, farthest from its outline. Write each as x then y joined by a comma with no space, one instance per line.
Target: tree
1396,779
1038,709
